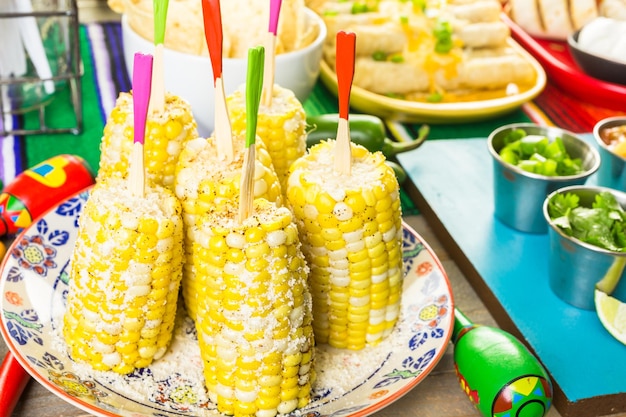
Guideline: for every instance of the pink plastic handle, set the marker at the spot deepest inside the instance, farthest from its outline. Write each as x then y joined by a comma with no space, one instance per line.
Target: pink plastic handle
142,80
274,14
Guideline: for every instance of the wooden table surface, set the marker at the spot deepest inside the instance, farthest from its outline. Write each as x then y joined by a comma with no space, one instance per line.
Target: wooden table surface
437,396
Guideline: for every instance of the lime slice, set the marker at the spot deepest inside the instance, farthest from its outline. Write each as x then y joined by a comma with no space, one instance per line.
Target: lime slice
612,314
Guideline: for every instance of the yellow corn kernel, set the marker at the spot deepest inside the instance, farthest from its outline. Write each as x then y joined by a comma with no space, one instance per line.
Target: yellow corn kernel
133,319
267,402
355,248
244,320
281,126
166,134
206,182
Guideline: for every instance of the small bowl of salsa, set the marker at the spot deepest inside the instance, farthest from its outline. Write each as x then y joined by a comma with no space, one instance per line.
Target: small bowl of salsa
610,134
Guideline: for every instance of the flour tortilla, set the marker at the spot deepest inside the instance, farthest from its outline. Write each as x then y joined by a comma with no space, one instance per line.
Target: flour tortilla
480,69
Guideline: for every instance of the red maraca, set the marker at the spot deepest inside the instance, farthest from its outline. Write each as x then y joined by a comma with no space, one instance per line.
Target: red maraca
28,196
39,188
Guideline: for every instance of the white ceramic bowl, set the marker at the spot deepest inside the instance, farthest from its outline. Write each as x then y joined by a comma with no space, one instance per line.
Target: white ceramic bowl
191,76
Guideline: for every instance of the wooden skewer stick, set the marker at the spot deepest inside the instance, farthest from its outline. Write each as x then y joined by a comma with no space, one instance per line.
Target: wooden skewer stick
212,15
270,53
157,95
346,44
254,86
142,78
157,100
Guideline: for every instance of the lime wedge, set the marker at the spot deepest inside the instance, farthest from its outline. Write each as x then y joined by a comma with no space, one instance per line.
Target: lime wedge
612,314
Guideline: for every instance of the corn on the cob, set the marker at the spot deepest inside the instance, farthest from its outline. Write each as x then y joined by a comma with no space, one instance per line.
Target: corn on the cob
125,274
166,135
281,126
205,182
254,312
351,231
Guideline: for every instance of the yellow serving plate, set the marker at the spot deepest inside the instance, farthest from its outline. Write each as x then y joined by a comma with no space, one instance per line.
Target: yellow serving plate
438,113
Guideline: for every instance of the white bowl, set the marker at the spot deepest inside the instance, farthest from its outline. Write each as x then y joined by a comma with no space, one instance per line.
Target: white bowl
191,76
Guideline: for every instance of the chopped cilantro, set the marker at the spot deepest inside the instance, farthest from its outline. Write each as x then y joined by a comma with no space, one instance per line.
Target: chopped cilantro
603,224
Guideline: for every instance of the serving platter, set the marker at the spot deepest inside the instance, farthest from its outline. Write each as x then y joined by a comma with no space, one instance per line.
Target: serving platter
34,283
562,70
436,113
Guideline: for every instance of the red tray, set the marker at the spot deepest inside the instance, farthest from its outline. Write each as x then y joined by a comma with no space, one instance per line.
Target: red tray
563,72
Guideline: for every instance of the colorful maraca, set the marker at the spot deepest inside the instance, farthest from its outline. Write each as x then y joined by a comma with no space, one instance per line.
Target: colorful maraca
497,372
28,196
37,189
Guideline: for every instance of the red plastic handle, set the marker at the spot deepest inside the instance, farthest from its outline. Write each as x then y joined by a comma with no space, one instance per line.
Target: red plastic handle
212,16
346,44
13,380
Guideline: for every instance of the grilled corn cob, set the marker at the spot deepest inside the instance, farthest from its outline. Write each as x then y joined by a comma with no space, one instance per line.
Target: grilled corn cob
126,269
281,126
254,312
166,135
204,183
351,231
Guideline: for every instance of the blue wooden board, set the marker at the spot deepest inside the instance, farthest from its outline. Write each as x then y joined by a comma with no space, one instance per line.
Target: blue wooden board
455,179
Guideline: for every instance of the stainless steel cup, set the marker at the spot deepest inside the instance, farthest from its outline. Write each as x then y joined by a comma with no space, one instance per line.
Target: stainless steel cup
574,267
518,194
612,171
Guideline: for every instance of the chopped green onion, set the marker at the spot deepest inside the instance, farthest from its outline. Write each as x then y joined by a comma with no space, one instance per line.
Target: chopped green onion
360,7
443,35
419,5
379,56
539,155
435,97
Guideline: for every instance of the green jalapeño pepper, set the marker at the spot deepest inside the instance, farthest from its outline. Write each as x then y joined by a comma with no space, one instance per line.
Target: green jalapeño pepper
401,174
366,130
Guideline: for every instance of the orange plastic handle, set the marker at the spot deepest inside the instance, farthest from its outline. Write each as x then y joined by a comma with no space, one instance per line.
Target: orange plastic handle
212,15
346,45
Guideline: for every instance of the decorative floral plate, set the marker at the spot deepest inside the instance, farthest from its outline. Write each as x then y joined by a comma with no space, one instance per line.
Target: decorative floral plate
34,284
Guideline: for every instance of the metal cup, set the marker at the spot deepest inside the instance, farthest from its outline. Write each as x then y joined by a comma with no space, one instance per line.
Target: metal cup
612,171
574,267
518,194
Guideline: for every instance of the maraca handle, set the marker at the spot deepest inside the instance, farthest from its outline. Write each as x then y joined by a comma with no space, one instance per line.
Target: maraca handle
13,380
36,190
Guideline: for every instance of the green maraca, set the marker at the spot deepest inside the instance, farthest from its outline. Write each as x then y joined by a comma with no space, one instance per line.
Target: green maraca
498,373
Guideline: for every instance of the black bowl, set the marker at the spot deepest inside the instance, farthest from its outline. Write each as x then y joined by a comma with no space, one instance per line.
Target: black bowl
595,65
